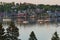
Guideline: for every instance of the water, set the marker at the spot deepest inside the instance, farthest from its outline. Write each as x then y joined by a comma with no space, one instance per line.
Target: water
42,32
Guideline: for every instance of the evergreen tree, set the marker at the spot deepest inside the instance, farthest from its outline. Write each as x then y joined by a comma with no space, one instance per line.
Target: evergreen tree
55,36
1,32
12,32
32,36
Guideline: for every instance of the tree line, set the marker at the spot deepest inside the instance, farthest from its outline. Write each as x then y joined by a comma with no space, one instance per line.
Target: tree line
24,6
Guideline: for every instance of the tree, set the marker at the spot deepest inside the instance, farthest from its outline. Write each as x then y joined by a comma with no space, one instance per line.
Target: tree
55,36
32,36
12,32
1,32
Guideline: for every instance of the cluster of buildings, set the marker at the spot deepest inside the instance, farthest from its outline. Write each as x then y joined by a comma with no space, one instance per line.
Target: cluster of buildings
30,16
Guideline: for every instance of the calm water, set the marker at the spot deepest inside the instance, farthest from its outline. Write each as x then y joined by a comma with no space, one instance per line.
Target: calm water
42,32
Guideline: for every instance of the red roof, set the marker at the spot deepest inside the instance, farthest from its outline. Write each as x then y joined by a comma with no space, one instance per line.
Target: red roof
21,14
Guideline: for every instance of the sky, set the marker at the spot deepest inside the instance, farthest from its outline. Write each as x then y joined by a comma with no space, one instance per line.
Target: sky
51,2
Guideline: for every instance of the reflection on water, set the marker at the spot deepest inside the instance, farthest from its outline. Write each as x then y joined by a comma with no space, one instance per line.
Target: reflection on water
42,32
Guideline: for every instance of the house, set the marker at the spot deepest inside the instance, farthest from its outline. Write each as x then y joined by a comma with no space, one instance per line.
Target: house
21,17
57,16
32,18
40,21
43,18
6,19
52,16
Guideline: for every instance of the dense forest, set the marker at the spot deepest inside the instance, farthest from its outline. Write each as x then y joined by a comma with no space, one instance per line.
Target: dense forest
24,6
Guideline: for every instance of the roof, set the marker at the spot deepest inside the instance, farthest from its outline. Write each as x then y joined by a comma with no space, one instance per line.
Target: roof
21,14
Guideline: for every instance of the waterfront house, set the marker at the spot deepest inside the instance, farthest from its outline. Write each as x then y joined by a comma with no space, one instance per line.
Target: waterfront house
21,17
32,17
40,21
57,16
44,18
52,16
6,19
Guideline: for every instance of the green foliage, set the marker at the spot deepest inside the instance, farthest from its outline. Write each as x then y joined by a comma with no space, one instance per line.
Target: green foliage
1,8
1,32
25,6
12,32
49,7
32,36
55,36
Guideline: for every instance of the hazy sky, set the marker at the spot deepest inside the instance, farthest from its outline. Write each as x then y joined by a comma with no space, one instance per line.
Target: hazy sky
35,1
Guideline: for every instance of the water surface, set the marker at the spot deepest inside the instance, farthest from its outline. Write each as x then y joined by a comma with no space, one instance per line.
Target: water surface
42,32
